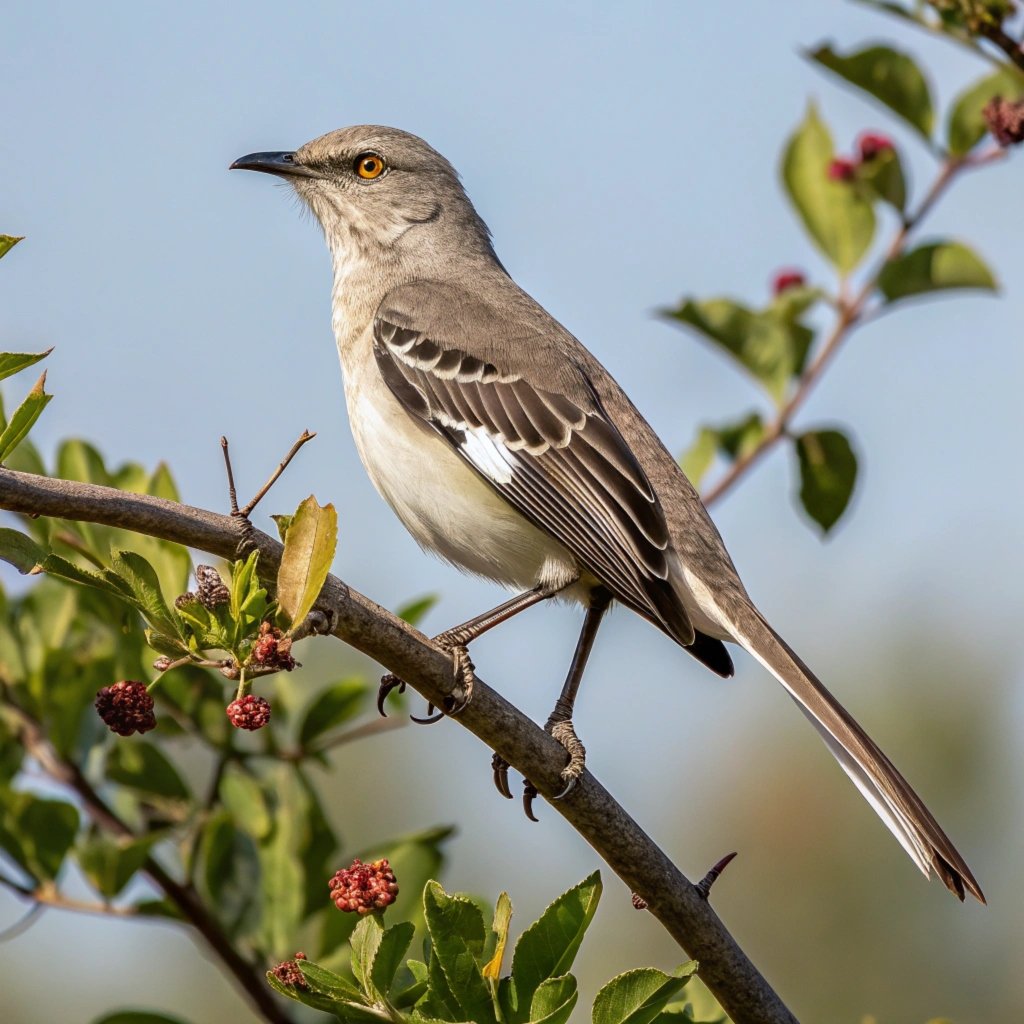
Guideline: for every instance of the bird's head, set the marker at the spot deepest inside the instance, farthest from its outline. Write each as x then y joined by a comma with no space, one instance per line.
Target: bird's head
377,189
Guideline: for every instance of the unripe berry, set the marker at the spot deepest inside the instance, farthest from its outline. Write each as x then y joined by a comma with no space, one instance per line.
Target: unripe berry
363,888
249,712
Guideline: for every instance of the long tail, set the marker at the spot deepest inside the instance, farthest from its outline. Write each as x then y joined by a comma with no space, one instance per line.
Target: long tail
871,771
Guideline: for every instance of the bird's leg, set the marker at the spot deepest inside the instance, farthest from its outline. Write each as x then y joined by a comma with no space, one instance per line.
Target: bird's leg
457,640
559,723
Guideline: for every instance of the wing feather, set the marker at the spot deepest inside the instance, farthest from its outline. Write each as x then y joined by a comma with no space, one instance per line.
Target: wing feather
569,470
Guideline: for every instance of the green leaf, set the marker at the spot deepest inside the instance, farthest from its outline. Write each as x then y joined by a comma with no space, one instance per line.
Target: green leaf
890,77
8,242
456,929
966,125
770,347
308,552
828,471
37,833
245,799
637,997
137,1017
499,927
145,587
548,947
554,1000
13,362
24,416
839,220
735,440
882,178
934,267
333,706
106,581
391,950
110,864
329,992
143,766
20,551
415,611
365,942
282,522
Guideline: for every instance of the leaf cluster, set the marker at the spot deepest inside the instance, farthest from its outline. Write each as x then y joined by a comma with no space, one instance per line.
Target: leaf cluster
460,979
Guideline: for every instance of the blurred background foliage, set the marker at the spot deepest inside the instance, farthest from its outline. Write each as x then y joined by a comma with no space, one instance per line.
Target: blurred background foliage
820,896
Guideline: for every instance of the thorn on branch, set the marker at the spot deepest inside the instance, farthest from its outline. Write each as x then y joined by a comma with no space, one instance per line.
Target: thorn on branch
703,887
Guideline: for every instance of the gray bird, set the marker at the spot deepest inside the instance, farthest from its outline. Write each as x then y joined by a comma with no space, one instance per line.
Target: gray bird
508,450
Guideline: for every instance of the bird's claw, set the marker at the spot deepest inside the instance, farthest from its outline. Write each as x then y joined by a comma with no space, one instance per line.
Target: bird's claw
500,768
462,694
388,683
564,733
529,795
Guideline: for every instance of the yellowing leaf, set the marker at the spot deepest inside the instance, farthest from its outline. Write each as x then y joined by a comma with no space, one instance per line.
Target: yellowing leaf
308,552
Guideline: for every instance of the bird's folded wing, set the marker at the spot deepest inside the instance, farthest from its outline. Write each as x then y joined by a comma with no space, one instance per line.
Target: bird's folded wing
550,451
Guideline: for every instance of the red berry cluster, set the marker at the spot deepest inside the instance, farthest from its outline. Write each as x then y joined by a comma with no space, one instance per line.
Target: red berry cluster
288,973
1005,120
786,279
249,712
126,707
363,888
273,649
870,146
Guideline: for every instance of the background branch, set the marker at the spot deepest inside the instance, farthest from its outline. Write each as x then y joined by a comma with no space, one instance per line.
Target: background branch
644,868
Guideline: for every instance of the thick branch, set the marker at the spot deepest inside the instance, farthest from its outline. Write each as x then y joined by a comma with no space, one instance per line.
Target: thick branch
644,868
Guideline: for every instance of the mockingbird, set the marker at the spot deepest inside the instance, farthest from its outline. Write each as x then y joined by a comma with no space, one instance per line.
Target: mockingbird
506,448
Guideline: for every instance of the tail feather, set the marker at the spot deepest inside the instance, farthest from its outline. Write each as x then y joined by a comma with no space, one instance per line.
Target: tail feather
870,770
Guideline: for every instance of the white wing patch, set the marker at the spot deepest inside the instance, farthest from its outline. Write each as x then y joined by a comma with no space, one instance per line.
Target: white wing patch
487,453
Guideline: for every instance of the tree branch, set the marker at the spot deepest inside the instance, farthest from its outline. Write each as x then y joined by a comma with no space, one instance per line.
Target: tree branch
850,315
644,868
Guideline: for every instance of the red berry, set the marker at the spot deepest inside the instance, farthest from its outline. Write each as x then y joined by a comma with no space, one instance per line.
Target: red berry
1005,120
273,649
288,973
871,144
786,279
363,888
249,712
126,707
842,169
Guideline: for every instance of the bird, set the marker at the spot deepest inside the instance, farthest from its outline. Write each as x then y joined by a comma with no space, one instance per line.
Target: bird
507,449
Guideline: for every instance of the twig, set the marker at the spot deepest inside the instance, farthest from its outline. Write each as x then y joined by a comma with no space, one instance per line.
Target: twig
232,491
741,990
850,314
248,977
995,34
261,493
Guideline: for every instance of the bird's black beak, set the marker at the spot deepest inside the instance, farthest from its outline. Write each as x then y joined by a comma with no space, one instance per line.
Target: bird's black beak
284,165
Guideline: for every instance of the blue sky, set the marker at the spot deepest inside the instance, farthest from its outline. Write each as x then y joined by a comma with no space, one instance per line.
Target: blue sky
623,156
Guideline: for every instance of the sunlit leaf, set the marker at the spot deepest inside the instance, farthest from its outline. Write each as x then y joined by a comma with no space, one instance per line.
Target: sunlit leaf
936,266
891,77
499,926
12,362
308,552
8,242
554,1000
839,220
549,946
637,997
24,417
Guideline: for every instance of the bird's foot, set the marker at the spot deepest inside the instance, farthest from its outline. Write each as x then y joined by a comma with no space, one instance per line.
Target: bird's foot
563,732
458,700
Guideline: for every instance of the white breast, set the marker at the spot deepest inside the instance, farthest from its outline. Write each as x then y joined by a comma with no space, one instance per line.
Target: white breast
442,502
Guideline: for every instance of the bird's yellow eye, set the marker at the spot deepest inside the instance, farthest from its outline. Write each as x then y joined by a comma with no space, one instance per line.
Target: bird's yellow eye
370,166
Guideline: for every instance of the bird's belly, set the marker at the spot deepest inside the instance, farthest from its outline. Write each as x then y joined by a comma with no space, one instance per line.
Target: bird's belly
447,508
